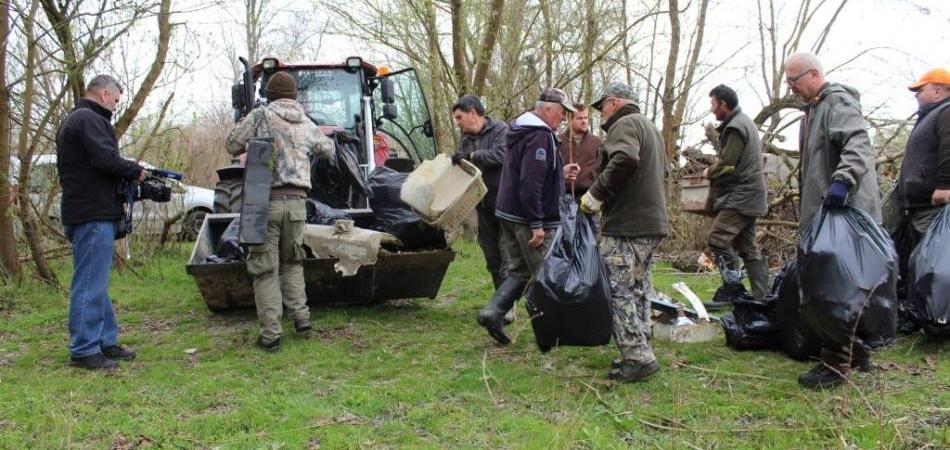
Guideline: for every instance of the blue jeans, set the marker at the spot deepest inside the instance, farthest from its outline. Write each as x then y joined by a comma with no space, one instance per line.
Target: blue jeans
92,325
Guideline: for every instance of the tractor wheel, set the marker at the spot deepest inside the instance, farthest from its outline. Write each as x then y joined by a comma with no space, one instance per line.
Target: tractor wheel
192,224
228,196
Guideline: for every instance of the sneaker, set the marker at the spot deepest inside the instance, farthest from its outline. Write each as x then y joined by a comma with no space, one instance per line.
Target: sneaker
94,361
270,347
119,352
302,325
633,372
820,377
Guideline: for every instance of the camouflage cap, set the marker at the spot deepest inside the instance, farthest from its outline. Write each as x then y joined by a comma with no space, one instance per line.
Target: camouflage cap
616,90
555,95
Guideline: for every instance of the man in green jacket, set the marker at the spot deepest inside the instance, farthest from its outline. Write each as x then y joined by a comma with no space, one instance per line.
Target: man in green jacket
630,190
737,191
837,169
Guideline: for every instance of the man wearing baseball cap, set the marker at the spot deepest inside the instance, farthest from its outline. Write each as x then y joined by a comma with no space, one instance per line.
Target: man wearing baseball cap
531,184
630,190
924,183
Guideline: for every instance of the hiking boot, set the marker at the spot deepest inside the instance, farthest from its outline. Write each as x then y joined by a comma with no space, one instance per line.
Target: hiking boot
492,317
633,372
270,347
302,326
820,377
118,352
94,361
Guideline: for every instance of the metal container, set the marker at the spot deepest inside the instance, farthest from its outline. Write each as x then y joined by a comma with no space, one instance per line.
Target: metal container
694,192
225,286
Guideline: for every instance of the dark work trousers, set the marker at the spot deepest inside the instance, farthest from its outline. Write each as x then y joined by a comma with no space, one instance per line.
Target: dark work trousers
489,239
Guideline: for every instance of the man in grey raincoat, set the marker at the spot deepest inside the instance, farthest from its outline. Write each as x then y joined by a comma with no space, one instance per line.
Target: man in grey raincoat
837,169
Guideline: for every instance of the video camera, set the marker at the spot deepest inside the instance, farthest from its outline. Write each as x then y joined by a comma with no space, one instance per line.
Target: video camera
153,187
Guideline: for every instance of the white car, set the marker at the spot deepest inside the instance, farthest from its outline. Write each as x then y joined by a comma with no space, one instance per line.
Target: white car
188,204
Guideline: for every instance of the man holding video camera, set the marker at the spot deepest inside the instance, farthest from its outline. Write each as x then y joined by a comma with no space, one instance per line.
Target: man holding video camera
90,172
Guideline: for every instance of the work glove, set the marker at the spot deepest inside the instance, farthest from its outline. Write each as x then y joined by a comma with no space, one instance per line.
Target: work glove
837,195
589,204
457,158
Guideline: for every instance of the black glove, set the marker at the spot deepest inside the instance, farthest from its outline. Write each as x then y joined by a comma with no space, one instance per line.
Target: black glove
457,158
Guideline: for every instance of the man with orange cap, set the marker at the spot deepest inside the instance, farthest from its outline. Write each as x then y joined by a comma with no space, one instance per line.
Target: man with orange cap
924,183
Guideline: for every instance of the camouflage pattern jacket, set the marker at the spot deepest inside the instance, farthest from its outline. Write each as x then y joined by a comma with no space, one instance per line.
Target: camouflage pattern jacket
295,135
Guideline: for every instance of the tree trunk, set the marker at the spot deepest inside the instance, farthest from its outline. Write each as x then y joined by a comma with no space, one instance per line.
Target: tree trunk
587,89
30,228
547,43
158,64
458,47
60,20
9,261
670,129
488,46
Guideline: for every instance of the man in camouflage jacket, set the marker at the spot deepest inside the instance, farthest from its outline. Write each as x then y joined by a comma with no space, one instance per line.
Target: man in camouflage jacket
630,189
277,265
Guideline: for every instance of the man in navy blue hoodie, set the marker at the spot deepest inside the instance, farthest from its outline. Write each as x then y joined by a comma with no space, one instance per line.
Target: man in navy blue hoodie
532,182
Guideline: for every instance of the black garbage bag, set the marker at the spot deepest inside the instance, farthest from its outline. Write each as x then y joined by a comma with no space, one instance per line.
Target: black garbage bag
321,214
569,297
392,216
848,277
751,325
229,245
798,340
338,181
929,284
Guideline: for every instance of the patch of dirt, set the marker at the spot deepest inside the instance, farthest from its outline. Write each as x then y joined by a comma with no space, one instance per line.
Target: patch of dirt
346,332
120,442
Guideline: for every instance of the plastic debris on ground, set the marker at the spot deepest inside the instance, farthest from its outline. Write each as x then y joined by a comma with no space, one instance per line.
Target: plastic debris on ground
849,271
569,298
929,284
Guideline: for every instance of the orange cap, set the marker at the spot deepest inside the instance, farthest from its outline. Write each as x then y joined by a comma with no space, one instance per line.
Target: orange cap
940,75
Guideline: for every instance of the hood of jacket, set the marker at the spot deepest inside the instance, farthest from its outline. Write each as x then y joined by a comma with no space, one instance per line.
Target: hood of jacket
527,123
289,110
838,88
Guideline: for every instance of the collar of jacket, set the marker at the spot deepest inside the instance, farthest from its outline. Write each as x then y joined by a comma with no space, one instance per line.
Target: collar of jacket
924,110
489,124
95,107
624,110
732,115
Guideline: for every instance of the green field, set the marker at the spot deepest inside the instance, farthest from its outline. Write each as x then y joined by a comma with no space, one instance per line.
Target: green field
422,374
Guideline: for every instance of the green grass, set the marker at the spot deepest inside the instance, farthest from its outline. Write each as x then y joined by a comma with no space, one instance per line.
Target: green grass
422,374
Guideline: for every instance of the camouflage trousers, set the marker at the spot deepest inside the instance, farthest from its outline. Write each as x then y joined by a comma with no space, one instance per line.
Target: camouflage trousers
276,267
628,263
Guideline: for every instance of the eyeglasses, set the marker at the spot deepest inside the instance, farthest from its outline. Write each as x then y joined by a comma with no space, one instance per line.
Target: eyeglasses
795,79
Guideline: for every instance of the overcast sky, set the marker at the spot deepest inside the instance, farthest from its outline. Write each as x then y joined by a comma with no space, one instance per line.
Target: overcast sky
909,37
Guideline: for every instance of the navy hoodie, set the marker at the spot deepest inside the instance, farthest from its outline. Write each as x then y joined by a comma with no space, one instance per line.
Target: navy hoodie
532,179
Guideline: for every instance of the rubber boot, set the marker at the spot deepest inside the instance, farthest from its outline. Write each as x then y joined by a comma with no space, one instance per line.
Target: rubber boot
758,272
492,317
729,271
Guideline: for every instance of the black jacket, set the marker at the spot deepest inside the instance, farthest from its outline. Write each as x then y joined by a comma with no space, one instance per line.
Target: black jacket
926,165
532,181
90,167
487,151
